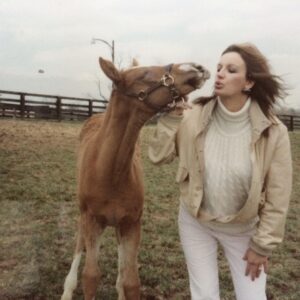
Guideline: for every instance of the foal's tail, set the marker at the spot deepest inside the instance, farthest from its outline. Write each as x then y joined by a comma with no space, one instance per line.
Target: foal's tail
71,279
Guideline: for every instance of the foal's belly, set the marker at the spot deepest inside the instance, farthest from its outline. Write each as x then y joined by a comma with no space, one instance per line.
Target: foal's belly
114,213
118,216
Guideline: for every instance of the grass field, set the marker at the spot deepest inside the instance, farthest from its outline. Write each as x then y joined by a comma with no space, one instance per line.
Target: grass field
38,221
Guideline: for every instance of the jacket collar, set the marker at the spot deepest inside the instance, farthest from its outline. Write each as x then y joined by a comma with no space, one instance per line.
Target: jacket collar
258,119
206,115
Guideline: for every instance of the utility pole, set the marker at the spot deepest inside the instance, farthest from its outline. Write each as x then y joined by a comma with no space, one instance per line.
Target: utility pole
111,46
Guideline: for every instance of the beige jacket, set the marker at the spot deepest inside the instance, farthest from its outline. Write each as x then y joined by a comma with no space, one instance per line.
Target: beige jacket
271,182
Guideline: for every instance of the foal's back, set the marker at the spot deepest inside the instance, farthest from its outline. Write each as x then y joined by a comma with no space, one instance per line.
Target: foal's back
91,126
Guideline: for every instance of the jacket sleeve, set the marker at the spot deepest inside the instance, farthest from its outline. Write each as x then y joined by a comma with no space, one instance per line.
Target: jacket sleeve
162,145
278,187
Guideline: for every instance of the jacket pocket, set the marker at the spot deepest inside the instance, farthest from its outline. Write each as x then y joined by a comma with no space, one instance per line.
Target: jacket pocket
182,174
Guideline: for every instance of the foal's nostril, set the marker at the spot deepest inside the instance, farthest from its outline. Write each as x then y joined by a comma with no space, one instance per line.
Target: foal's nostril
206,73
200,68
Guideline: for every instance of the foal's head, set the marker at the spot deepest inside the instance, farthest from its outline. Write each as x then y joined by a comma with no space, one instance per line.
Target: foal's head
154,88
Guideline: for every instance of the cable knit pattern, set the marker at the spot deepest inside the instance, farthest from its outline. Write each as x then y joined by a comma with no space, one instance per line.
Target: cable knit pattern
227,174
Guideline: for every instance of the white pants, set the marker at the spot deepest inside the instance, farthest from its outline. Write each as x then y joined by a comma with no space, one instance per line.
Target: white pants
200,245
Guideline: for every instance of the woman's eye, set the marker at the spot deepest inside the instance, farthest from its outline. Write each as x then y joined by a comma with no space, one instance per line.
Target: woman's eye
232,71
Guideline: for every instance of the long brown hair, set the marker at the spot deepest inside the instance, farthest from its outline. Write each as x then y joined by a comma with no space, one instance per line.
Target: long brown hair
267,86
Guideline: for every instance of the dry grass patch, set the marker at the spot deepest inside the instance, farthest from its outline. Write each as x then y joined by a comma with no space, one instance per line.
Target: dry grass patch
38,221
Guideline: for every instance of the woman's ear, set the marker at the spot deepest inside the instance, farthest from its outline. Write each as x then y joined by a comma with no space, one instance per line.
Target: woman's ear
110,70
249,85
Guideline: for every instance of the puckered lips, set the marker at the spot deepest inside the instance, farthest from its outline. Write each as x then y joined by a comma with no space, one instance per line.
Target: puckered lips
219,85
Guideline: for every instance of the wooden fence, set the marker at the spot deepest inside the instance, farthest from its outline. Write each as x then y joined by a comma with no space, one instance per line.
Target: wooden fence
291,122
29,105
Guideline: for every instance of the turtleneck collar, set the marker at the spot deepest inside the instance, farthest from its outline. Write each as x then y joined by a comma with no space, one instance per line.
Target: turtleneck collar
258,120
232,123
238,116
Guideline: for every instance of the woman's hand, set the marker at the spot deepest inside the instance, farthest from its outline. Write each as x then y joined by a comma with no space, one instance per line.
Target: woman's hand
179,108
255,262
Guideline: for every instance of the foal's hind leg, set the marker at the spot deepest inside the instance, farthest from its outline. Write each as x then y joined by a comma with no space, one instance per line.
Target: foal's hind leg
128,282
91,273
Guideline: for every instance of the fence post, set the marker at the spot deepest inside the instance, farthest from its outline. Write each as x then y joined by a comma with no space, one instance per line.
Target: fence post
291,123
90,108
22,105
58,108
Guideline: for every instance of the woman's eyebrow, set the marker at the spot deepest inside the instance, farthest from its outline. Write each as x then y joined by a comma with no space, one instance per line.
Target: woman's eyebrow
229,65
233,65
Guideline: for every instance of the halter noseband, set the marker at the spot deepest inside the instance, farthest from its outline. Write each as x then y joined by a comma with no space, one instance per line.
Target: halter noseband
167,80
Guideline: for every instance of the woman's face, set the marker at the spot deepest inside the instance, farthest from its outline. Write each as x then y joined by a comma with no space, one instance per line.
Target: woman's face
231,76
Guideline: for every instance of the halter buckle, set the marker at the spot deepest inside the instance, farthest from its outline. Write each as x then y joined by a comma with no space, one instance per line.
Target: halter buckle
167,80
142,95
174,93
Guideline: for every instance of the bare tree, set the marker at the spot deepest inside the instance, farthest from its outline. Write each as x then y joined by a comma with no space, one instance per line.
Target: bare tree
101,94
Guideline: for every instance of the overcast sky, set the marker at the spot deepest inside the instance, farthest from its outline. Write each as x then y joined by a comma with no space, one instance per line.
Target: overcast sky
55,36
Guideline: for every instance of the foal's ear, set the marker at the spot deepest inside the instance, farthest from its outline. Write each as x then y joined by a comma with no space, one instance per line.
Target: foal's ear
110,70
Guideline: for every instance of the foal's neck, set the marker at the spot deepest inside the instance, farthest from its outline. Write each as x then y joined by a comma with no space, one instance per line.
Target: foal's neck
118,138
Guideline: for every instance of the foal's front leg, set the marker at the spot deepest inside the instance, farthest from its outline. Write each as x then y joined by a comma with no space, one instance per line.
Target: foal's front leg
128,282
91,231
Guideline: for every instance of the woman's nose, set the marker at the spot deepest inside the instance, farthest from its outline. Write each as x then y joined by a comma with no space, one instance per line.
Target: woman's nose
220,74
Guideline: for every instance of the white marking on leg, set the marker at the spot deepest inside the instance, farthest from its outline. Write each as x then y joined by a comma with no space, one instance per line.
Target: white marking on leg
120,279
71,280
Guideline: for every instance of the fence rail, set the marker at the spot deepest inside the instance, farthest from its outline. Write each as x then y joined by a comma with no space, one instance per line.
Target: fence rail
292,122
32,105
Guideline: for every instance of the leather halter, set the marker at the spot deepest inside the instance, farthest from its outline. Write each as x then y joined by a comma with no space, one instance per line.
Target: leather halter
167,80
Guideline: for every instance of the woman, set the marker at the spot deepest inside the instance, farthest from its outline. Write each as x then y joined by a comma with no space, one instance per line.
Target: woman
234,174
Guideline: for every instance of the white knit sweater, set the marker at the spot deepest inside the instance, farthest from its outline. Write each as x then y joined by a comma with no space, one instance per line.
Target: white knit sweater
227,167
